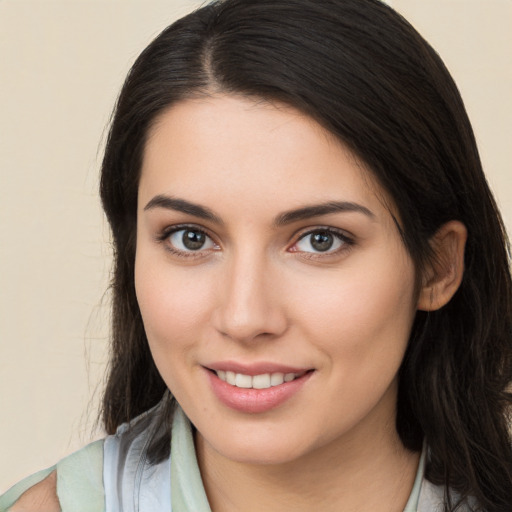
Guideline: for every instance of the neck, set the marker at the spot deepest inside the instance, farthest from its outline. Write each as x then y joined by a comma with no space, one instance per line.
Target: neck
343,475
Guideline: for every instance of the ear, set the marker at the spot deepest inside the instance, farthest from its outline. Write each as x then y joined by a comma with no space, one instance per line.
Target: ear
444,275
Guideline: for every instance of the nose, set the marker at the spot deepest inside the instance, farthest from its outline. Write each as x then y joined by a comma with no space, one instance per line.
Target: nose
250,304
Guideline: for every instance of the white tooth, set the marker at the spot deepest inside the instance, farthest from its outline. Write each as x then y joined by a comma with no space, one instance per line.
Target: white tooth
289,377
261,381
222,375
230,378
243,381
276,379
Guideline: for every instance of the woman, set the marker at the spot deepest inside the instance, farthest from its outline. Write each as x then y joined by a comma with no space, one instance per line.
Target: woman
310,263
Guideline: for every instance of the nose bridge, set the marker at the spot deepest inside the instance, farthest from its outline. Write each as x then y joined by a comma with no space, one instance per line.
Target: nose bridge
249,305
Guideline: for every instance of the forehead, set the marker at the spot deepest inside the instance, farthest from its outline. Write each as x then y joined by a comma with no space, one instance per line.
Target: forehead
221,148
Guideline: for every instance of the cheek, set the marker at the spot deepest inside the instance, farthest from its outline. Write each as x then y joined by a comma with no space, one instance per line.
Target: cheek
361,314
174,305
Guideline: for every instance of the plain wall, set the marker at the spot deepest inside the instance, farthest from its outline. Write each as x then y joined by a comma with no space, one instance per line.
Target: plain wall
61,66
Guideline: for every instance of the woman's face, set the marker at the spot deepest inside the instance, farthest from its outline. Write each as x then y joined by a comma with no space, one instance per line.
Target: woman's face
276,293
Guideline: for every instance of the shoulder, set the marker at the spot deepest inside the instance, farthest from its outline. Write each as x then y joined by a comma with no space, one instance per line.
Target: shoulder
79,481
78,478
42,497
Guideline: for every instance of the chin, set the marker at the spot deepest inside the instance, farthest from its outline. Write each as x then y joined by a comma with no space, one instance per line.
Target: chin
258,444
260,454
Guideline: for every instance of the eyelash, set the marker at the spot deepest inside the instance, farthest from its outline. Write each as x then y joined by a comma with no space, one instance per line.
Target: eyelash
164,236
346,241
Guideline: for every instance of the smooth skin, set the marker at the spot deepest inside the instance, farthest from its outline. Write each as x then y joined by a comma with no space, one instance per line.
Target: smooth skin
232,264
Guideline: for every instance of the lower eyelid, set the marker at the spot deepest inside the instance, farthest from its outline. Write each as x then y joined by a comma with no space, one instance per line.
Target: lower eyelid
326,256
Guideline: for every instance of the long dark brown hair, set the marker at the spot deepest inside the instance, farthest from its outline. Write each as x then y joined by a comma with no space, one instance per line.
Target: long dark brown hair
359,69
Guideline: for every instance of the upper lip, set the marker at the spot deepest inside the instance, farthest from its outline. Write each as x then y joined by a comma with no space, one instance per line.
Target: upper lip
257,368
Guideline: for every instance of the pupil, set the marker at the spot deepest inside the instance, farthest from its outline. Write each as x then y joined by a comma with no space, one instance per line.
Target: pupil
322,241
193,240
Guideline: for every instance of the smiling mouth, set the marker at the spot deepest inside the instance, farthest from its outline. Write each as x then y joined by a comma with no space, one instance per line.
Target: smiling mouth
247,389
262,381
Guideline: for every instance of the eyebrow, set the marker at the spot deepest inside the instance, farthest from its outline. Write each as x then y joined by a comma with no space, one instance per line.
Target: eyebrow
180,205
285,218
308,212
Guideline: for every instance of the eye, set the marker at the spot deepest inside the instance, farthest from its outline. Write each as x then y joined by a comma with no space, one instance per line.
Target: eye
322,241
190,240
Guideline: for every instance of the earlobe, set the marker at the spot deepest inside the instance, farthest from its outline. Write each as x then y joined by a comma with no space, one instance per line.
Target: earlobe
444,275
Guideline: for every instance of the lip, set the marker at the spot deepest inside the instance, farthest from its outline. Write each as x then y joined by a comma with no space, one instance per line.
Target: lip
256,401
253,369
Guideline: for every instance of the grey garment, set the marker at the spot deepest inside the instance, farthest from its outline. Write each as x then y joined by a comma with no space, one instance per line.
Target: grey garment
131,483
431,499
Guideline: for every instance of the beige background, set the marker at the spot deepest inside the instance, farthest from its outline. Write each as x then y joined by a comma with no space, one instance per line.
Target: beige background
61,66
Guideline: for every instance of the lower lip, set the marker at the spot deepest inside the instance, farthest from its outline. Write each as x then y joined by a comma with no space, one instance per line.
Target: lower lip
255,401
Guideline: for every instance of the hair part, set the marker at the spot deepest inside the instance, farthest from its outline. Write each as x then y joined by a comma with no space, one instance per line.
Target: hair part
361,71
